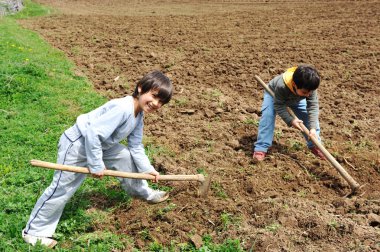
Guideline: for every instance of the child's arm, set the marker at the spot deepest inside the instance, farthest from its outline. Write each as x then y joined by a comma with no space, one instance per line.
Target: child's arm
313,109
98,130
137,150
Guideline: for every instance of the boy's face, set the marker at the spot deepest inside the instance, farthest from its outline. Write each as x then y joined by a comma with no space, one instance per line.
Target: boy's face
149,102
303,92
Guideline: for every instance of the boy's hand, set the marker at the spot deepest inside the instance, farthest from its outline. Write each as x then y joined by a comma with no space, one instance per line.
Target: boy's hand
313,133
99,175
156,176
296,123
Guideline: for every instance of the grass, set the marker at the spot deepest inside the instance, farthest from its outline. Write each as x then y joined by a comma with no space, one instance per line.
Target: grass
219,190
40,96
274,227
227,220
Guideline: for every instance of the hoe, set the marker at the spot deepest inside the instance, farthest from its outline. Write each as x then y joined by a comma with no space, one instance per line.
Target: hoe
202,191
353,184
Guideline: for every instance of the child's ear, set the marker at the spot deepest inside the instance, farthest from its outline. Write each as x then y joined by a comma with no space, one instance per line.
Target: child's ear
139,89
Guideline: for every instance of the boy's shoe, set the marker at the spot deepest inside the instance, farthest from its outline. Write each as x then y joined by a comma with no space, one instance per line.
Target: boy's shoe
259,156
157,197
317,152
33,240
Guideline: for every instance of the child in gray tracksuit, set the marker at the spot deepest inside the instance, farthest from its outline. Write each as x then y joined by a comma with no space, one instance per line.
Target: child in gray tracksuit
93,142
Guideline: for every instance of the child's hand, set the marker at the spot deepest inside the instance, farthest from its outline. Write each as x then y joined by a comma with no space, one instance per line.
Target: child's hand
156,176
313,133
99,175
296,123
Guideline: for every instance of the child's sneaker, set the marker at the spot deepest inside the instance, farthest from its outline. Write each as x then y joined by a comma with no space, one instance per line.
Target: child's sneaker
31,239
317,152
259,156
157,197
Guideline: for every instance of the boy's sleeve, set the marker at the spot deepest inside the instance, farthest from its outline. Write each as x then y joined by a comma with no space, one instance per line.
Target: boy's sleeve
137,150
97,132
313,109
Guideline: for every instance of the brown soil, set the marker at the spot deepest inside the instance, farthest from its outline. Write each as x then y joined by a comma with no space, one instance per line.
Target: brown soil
212,50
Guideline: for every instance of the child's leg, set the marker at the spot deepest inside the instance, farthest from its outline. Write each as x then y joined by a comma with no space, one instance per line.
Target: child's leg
301,112
48,209
119,158
266,125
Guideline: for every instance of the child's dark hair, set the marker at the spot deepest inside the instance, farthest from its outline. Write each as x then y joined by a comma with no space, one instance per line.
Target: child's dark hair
155,80
306,77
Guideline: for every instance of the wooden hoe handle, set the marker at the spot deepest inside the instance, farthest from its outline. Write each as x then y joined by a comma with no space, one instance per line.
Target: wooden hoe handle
353,184
132,175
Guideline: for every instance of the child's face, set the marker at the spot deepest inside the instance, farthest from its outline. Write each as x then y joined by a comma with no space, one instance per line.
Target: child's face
149,102
303,92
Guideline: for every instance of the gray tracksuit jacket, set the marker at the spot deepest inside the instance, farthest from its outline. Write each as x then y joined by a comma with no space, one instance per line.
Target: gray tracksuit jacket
108,125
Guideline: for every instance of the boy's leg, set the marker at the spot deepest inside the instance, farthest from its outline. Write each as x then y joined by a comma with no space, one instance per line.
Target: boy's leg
48,209
301,112
119,158
266,125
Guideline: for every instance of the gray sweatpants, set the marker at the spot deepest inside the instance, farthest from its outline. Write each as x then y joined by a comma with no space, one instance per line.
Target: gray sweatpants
46,213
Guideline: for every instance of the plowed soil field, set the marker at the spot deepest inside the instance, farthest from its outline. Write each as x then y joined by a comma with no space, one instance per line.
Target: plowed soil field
212,50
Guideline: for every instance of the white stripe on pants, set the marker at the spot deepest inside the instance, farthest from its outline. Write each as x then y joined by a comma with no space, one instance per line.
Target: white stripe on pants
49,207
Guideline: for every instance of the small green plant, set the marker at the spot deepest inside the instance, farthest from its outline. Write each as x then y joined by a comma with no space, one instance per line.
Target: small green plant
274,227
302,193
295,145
100,241
333,225
163,211
278,134
216,93
212,95
156,246
225,219
210,146
200,170
250,121
288,177
169,65
228,219
219,191
145,234
181,102
228,246
152,150
364,144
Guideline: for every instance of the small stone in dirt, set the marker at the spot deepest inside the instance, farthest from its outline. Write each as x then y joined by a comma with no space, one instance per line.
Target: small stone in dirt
188,111
219,110
242,118
288,221
209,113
144,223
196,240
233,143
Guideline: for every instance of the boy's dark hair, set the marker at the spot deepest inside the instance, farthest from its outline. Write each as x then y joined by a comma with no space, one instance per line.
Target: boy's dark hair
155,80
306,77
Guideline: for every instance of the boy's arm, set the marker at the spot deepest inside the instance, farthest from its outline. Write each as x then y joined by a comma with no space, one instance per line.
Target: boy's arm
137,150
313,109
98,131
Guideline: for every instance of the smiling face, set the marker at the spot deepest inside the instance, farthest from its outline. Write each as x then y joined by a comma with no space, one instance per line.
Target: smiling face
148,102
